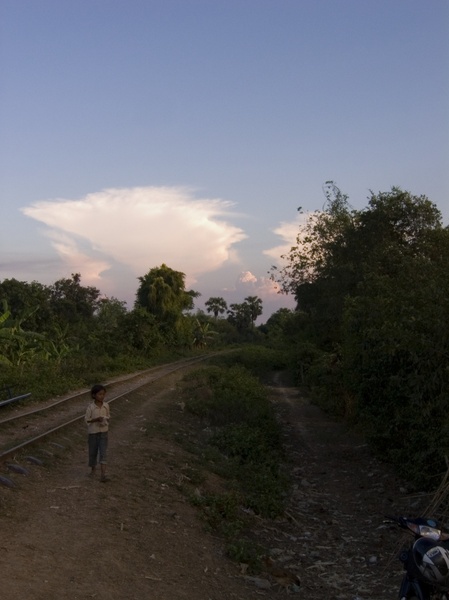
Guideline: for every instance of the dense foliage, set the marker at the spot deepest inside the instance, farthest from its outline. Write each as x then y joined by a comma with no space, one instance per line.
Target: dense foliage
371,326
67,335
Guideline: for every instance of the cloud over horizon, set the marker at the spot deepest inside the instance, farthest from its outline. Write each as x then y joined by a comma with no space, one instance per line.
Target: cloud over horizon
116,235
139,228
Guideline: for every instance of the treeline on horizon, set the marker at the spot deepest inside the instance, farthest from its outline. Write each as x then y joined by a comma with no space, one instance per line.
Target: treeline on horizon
53,336
368,338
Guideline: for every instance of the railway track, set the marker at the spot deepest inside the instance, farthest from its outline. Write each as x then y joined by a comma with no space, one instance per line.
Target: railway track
26,428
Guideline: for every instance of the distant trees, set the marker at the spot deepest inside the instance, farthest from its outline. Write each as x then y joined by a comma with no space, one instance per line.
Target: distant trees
243,315
67,320
67,334
47,322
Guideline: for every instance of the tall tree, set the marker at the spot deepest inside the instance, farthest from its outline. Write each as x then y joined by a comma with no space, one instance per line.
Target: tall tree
255,307
162,293
319,269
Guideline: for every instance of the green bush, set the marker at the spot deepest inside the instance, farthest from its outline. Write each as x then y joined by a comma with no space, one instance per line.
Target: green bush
244,428
226,396
257,359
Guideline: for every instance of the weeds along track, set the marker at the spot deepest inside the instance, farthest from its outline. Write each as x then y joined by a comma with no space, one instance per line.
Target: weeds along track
25,428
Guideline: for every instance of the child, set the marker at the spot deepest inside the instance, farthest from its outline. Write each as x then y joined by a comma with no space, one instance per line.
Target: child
97,419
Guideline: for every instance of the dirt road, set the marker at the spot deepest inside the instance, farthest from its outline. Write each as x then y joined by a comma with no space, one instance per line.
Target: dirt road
64,536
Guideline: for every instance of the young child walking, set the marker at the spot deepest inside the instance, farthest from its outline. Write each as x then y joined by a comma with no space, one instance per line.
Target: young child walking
97,419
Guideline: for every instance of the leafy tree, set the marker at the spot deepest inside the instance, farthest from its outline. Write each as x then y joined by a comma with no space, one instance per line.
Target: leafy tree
319,269
281,325
240,316
162,293
216,305
142,332
108,333
395,354
22,296
73,303
374,286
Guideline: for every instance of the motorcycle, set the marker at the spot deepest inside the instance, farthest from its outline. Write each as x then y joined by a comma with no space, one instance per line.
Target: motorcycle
425,560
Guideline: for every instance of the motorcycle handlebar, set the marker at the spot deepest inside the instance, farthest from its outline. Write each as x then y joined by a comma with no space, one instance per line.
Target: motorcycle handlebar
420,527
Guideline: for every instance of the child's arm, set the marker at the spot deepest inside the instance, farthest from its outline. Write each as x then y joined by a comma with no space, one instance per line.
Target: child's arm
88,417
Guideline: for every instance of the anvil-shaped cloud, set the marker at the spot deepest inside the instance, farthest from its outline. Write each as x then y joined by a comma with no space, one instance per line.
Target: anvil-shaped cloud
140,228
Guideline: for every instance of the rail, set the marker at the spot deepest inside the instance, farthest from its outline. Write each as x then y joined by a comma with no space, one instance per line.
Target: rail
12,398
75,409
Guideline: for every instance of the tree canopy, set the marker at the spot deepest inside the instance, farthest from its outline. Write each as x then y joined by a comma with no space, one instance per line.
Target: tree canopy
162,293
374,287
216,305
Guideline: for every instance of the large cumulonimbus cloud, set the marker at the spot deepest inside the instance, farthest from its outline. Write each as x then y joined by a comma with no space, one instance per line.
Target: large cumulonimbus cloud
140,228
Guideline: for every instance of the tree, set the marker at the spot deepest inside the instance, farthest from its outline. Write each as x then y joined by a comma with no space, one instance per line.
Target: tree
317,244
142,332
255,307
240,316
395,353
162,293
108,331
22,296
73,303
216,305
374,286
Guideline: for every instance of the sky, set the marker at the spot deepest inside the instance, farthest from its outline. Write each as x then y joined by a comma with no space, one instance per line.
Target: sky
188,132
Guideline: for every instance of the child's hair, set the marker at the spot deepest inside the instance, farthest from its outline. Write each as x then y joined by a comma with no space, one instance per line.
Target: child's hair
96,388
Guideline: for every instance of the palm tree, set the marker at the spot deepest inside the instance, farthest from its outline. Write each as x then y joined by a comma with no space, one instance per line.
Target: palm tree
216,305
255,307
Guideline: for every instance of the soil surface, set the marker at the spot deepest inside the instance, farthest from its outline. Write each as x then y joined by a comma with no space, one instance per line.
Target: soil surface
65,536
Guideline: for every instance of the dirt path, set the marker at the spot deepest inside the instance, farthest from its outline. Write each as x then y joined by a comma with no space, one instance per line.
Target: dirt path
66,537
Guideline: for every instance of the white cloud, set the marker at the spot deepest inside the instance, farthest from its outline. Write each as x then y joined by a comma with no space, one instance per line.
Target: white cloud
247,277
140,228
251,285
76,260
289,233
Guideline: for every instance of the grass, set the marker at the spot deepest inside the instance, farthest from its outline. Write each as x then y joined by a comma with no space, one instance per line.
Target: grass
237,472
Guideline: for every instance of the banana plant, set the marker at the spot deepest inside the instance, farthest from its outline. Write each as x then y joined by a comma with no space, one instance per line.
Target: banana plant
202,334
17,346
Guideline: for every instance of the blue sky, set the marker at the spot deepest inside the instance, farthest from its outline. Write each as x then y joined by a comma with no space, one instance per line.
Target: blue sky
136,132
